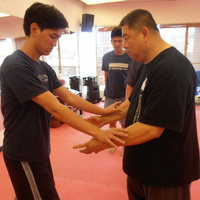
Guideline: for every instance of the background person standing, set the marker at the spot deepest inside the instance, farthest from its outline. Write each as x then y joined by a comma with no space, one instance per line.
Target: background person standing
132,76
116,66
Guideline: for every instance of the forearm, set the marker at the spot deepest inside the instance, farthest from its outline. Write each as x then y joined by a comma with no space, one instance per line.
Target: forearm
138,133
67,116
82,104
61,112
77,102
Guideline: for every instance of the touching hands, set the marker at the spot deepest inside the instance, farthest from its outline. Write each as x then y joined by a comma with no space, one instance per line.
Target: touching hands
112,108
112,135
96,120
107,135
92,146
103,142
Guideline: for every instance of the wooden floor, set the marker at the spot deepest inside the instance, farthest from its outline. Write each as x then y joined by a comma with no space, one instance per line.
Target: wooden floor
83,177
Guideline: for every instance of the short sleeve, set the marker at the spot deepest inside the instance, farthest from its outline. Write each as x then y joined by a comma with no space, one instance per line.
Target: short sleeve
24,84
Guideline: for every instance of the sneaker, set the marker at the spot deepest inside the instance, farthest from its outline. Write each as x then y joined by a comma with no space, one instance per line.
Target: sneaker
122,152
112,150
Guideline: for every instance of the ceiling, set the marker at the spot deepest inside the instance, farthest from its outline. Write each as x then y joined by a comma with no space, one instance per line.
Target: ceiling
127,1
9,19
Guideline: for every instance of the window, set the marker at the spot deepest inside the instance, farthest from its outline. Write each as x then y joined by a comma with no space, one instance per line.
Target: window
186,38
19,42
64,57
175,37
103,46
5,49
193,46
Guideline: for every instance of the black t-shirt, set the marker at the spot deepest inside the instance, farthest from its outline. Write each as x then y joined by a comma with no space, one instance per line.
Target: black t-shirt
27,124
164,97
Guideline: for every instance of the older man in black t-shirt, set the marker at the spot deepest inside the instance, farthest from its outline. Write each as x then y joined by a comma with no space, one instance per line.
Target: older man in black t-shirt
161,157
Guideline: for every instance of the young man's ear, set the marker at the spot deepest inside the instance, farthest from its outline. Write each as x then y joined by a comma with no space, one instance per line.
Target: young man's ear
34,28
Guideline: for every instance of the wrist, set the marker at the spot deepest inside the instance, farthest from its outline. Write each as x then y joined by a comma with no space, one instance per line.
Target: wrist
103,112
104,120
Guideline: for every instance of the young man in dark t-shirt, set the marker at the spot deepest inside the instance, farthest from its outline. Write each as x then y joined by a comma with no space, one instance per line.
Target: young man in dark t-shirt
28,86
161,157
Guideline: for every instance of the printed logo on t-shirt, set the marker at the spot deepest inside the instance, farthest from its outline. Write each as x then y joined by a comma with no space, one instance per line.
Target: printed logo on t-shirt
118,66
43,78
139,106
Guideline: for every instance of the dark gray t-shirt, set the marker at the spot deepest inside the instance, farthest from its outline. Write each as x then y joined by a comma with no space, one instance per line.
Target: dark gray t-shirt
117,67
134,67
27,124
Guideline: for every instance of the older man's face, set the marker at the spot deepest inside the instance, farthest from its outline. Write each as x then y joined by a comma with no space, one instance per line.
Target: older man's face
133,43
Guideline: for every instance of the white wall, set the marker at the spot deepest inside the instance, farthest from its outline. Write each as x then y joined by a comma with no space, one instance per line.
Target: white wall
164,12
72,9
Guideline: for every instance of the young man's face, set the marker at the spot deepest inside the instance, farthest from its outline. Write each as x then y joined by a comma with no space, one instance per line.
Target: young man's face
46,40
118,43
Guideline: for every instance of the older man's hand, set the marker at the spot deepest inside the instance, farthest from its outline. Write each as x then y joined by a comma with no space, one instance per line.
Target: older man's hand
92,146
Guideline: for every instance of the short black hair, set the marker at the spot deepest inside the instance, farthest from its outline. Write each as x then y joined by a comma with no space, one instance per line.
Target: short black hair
45,16
116,32
138,19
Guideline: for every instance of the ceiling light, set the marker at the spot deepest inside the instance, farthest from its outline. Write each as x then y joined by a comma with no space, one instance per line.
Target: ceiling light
3,14
89,2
